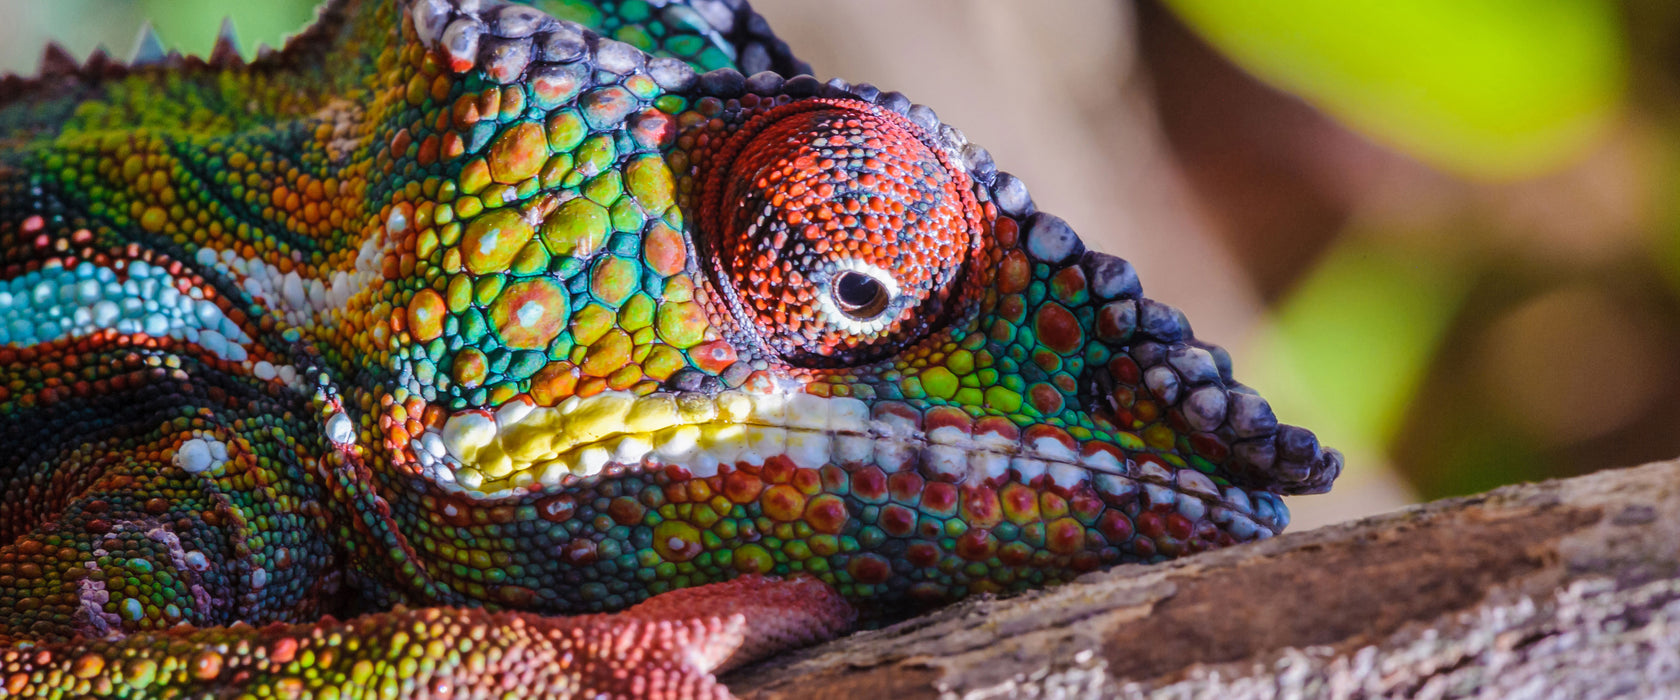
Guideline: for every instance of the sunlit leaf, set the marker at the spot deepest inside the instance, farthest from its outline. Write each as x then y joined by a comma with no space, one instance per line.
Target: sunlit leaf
1494,88
1349,348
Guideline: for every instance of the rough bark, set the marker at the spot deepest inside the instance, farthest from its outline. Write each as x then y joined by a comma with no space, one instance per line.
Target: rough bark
1558,589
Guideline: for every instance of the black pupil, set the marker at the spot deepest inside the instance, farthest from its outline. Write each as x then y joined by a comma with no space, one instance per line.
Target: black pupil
856,291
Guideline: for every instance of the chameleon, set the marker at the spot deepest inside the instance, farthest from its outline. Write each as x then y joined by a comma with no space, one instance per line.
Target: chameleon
470,348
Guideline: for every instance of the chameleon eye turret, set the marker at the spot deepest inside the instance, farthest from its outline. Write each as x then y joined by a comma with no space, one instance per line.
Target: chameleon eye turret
841,234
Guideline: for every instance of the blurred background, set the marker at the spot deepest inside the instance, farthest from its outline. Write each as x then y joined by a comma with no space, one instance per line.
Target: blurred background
1438,233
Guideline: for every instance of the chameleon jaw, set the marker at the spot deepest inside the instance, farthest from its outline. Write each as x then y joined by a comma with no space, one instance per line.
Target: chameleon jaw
521,449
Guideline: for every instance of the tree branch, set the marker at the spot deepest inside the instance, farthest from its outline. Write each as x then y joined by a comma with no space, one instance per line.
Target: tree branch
1559,589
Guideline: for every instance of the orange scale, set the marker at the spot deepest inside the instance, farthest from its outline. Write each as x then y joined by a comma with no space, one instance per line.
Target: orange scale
896,520
1020,503
1064,536
807,481
940,498
700,490
1086,504
452,146
977,544
742,488
782,503
980,506
906,487
869,568
922,554
1052,505
590,386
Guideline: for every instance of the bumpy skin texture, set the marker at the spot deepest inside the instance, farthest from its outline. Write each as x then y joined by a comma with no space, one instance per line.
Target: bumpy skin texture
459,307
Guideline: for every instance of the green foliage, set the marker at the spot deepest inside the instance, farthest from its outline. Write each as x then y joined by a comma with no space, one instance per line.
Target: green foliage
1349,348
1489,88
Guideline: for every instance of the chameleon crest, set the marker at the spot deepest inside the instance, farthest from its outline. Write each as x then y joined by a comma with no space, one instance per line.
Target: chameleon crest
499,314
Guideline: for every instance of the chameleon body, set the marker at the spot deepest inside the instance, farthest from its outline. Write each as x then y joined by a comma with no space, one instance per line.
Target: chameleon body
453,317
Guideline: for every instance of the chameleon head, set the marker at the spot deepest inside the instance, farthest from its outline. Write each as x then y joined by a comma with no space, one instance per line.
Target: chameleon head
766,324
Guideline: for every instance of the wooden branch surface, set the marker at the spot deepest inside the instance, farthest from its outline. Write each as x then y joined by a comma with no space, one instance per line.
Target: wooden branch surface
1559,589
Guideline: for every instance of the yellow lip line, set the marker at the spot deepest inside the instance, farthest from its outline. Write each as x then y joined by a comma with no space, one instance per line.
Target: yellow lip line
521,448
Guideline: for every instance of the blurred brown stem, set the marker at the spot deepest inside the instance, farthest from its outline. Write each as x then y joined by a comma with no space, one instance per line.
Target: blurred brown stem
1564,589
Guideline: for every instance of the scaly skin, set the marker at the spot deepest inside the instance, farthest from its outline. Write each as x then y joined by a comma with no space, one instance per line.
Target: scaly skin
463,309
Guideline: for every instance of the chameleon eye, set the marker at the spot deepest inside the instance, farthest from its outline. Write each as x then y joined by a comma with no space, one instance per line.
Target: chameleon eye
859,296
840,234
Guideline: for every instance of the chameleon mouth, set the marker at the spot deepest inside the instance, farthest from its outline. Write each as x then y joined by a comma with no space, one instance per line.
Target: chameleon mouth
520,449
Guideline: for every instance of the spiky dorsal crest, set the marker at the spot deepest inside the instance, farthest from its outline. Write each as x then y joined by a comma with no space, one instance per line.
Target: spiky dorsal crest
61,75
